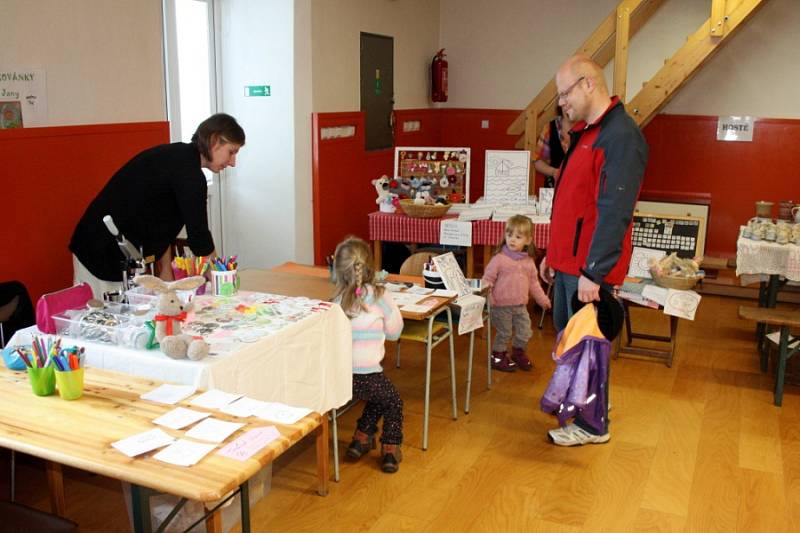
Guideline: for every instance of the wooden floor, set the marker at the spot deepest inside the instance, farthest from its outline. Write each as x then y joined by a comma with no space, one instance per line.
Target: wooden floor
696,447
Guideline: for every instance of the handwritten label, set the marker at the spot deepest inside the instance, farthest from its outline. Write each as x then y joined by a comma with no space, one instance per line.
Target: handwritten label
455,232
251,442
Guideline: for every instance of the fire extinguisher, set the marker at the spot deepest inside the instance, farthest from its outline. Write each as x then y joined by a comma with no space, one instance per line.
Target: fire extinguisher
439,77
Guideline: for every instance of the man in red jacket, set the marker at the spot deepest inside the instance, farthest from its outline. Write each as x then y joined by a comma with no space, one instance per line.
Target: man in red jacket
595,195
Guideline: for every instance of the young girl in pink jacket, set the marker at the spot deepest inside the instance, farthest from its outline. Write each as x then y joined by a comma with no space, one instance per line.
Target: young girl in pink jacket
512,275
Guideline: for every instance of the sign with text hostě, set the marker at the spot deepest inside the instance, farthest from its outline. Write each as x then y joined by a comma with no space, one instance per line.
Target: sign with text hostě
735,128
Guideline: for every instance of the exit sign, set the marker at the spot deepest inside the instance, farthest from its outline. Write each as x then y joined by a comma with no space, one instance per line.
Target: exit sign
256,90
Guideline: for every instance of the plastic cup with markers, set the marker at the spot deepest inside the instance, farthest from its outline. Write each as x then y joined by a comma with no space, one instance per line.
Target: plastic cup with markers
39,365
224,276
68,365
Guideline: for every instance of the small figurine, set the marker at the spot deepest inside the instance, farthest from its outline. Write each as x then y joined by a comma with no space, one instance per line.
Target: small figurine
384,199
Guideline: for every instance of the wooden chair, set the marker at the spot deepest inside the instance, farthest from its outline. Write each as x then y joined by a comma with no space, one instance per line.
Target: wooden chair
18,517
784,319
415,263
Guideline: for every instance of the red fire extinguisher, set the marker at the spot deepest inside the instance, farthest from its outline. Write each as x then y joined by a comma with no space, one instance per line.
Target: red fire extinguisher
439,77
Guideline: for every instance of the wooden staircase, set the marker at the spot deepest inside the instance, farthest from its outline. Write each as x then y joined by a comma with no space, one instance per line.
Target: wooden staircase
610,40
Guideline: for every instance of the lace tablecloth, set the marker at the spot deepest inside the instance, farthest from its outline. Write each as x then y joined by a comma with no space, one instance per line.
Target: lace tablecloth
764,257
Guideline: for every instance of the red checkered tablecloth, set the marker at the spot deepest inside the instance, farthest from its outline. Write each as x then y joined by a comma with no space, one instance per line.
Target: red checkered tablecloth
398,227
489,232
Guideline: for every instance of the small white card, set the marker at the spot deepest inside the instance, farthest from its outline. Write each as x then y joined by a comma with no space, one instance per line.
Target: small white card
416,289
655,293
143,442
282,413
394,287
213,430
251,442
180,417
169,394
406,298
444,293
243,407
215,399
184,452
682,304
455,232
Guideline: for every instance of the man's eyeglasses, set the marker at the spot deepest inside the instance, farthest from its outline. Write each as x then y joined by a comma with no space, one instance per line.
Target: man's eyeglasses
563,94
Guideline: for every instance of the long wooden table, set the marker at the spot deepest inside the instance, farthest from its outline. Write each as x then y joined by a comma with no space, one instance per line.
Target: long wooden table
79,434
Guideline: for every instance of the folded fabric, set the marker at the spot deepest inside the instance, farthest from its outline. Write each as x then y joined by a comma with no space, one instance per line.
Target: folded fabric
579,384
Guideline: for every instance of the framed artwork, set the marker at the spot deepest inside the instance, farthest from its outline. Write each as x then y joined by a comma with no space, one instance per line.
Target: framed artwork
506,178
434,171
10,115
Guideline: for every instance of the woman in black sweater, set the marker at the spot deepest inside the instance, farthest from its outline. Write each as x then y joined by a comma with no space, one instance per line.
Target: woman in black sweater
150,199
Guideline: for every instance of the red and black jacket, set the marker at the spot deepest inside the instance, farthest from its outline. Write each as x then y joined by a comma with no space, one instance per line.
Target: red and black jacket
595,195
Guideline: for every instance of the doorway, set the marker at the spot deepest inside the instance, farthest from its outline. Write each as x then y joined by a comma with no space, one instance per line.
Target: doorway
377,90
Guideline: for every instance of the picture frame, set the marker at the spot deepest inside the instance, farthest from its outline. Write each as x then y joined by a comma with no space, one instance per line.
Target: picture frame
435,170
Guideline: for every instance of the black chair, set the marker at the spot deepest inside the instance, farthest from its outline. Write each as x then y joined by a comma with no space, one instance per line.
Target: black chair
16,310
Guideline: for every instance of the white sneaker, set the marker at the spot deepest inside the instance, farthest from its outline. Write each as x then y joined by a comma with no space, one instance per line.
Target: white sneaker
572,435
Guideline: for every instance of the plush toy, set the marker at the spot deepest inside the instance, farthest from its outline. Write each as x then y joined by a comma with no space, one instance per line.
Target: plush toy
385,197
170,312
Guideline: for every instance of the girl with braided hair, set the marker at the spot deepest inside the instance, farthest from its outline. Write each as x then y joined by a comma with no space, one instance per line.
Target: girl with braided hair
374,318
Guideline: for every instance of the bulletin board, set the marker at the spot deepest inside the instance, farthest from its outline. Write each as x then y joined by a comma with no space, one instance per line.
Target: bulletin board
439,171
684,235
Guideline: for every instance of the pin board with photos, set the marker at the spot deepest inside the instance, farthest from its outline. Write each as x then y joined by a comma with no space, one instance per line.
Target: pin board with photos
437,171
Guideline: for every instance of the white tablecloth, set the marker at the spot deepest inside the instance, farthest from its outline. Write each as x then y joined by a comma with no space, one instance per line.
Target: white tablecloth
764,257
307,363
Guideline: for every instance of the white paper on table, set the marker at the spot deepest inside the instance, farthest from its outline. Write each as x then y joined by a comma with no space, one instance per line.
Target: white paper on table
655,293
416,289
184,452
249,443
451,273
282,413
455,232
682,304
243,407
406,298
775,337
214,399
417,308
143,442
471,316
169,394
213,430
445,293
394,287
180,417
640,261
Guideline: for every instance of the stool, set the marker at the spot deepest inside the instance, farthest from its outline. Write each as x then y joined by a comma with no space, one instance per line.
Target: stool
784,319
425,331
18,517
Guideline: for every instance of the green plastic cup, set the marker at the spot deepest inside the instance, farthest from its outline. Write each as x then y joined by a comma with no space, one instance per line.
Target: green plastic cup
70,384
43,380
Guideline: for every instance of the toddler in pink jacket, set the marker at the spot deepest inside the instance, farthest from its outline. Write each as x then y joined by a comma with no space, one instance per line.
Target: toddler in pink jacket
512,275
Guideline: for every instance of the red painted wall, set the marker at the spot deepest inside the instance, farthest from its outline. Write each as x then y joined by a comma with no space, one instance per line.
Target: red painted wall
342,170
686,157
686,160
49,177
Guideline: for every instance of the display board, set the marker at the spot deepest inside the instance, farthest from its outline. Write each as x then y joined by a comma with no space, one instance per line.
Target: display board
433,171
671,233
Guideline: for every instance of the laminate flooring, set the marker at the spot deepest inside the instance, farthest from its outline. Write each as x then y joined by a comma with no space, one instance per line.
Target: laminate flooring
695,447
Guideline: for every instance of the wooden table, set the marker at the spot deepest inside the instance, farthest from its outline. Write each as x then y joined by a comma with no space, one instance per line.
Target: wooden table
79,434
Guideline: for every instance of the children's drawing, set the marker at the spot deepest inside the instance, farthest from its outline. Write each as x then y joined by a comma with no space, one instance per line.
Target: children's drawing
451,273
506,176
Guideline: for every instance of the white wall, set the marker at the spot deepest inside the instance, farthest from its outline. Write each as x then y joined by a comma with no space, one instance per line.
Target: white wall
102,58
336,28
502,54
260,194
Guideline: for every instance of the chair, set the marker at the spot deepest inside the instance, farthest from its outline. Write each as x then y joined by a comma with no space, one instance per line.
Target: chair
414,265
787,347
333,416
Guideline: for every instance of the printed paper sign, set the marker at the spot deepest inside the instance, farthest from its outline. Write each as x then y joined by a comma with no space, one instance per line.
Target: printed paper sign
28,86
735,128
455,233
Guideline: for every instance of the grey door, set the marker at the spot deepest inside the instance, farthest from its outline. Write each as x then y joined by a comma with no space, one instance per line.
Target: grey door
377,89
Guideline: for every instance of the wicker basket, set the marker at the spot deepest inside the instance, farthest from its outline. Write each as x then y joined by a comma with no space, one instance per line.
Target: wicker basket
674,282
423,211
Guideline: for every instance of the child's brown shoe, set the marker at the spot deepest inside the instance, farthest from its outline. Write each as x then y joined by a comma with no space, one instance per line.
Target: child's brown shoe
361,445
392,455
521,358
